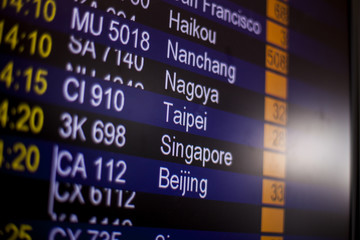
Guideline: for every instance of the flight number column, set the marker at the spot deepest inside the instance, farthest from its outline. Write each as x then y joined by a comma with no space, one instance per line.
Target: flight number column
275,116
96,180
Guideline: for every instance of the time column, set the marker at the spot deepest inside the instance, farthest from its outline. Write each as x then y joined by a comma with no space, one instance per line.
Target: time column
275,115
24,83
23,78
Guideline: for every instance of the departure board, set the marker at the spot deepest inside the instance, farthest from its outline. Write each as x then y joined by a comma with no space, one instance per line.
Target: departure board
174,119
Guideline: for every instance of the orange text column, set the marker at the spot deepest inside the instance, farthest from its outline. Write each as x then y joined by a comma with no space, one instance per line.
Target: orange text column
275,115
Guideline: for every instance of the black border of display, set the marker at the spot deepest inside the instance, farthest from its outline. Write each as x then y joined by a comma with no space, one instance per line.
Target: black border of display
354,18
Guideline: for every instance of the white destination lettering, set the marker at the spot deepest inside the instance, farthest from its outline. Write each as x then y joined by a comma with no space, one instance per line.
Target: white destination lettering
192,152
191,27
201,61
182,182
235,18
185,118
190,89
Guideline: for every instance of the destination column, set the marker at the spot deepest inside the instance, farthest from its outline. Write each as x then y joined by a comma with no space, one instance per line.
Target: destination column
276,62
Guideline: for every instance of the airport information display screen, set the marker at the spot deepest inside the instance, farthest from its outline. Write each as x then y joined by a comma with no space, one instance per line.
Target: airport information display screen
174,119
